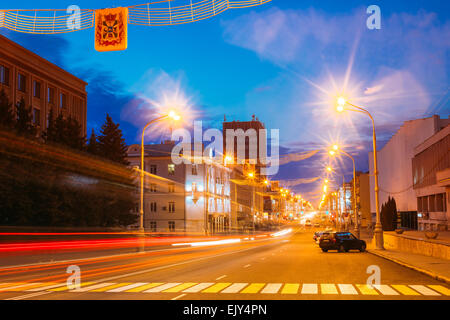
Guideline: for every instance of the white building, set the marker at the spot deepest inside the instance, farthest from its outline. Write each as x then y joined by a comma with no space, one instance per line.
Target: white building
395,167
184,197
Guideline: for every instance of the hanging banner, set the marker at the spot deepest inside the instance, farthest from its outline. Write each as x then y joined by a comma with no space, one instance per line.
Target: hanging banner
111,29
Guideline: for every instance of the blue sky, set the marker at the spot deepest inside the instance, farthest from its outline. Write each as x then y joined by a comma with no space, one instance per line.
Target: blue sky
281,61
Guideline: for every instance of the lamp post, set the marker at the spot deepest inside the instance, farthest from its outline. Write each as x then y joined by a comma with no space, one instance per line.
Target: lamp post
378,232
174,116
333,152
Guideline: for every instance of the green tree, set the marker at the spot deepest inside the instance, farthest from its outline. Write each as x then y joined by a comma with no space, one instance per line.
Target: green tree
65,132
389,215
24,123
6,112
111,144
92,146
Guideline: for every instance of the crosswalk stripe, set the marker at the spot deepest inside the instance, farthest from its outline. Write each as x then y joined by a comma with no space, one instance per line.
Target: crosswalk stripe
64,288
405,290
424,290
15,287
117,285
327,288
309,288
440,289
181,287
234,288
145,287
163,287
253,288
347,289
95,286
290,288
199,287
272,288
42,288
217,287
385,290
367,290
130,286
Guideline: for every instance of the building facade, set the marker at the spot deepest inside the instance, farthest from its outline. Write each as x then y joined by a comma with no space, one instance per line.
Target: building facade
395,167
431,178
42,85
182,197
362,198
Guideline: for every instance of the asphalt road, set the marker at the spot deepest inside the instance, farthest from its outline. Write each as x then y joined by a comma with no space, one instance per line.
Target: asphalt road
286,267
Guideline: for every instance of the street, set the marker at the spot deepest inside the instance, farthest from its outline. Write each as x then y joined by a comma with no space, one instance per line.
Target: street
291,267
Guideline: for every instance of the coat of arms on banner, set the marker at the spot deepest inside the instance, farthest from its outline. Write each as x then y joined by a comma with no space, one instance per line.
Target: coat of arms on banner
111,29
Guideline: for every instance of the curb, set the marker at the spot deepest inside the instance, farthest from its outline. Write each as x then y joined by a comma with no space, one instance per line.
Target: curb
409,266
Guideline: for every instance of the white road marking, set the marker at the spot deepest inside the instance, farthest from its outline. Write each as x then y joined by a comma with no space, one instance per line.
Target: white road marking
309,288
30,295
47,287
95,286
221,277
347,289
178,297
234,288
130,286
272,288
424,290
385,289
199,287
163,287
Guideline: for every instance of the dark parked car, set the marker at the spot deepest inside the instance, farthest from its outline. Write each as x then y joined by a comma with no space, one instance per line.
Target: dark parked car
341,241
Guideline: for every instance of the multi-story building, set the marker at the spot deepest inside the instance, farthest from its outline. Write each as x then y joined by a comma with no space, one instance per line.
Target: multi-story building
362,198
395,167
183,197
42,85
431,178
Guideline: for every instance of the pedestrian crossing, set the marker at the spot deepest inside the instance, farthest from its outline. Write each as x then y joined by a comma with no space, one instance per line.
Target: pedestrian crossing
329,289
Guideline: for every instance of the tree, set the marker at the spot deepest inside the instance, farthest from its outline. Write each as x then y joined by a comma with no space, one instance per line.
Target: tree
24,123
65,131
111,144
6,112
389,215
92,146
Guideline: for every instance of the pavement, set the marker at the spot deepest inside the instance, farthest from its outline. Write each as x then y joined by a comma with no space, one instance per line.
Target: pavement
291,267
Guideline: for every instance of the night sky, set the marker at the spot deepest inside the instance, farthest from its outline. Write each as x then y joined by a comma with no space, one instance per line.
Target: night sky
284,62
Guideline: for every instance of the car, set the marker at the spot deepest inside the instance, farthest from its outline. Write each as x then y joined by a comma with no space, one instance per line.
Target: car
316,225
318,234
308,223
341,241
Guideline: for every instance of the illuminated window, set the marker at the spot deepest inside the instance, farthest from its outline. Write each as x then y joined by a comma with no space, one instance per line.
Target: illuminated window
152,187
171,225
171,169
171,207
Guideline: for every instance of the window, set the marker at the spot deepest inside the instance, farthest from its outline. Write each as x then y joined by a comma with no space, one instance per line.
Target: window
171,169
194,169
153,168
4,75
171,207
36,117
171,187
62,100
51,95
171,225
21,82
153,206
152,187
153,226
36,89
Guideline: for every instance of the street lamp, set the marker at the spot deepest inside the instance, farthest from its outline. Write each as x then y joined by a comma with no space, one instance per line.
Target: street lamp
173,116
336,147
378,232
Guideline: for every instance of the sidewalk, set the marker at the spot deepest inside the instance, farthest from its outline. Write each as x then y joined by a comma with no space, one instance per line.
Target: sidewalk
436,268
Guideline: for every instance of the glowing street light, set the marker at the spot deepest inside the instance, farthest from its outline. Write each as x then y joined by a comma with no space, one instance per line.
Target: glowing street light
174,116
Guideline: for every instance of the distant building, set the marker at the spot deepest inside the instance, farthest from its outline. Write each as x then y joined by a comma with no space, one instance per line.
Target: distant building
43,85
395,167
431,178
184,197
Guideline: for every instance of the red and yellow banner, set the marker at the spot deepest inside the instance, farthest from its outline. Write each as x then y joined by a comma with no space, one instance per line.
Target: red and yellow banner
111,29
